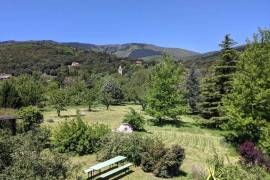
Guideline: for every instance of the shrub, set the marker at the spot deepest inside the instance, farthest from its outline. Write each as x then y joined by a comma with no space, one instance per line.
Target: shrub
225,171
264,142
131,146
152,156
77,137
252,155
148,152
26,157
169,164
135,119
31,117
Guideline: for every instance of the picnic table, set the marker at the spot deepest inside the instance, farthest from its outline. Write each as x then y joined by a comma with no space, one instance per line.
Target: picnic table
104,164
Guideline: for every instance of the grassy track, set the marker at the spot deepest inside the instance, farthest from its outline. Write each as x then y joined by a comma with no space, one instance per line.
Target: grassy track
199,143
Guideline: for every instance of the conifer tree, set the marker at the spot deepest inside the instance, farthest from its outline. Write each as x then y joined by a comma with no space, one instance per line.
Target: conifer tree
218,83
248,106
193,89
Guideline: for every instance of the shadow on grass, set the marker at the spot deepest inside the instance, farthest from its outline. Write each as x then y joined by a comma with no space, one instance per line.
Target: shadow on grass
101,172
182,173
123,175
71,116
174,123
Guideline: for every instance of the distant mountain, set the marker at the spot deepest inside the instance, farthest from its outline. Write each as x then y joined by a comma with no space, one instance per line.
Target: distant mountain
203,61
53,58
136,50
129,50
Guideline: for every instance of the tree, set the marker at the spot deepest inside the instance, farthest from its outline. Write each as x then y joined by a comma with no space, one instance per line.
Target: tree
111,93
193,89
91,96
248,106
138,86
76,92
31,117
218,83
30,90
58,100
10,97
165,96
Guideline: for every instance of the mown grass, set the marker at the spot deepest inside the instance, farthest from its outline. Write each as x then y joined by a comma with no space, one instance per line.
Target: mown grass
199,143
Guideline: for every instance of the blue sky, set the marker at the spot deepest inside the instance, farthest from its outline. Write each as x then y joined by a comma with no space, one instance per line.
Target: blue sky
197,25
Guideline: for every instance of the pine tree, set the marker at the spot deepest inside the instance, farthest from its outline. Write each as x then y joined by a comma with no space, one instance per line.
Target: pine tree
218,83
165,97
209,97
193,89
248,106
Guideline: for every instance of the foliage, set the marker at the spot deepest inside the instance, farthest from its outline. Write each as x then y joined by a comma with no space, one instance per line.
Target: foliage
264,141
31,90
91,97
76,92
129,145
9,95
111,93
31,117
148,152
134,119
218,84
58,99
53,59
248,107
77,137
253,156
193,89
165,97
28,159
218,169
137,86
168,166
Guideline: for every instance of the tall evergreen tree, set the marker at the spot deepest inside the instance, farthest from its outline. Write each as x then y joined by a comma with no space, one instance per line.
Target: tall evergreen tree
248,107
218,83
193,89
165,97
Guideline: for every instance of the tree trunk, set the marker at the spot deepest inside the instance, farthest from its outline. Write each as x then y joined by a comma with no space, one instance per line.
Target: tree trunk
58,113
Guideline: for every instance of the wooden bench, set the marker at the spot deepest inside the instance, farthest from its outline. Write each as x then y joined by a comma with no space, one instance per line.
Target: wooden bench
114,171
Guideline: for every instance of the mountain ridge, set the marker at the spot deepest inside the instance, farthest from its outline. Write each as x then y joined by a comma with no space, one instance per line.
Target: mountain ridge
127,50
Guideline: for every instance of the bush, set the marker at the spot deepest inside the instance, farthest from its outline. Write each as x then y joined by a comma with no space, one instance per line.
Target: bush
253,156
31,118
131,146
152,156
77,137
168,166
264,142
136,120
227,171
25,157
148,152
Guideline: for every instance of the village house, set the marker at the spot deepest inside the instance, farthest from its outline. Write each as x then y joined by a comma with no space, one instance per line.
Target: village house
139,62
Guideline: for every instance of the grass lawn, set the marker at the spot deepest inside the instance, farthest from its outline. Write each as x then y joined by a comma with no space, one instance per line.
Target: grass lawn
199,143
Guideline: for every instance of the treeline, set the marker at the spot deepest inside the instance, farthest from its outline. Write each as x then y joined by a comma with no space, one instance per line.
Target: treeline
53,59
